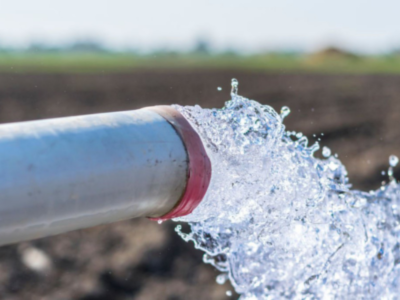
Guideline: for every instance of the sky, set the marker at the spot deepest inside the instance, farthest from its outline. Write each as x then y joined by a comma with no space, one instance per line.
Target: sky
247,25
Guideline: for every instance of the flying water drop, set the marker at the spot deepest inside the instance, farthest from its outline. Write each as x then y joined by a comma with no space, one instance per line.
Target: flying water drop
393,160
234,86
285,111
221,279
326,152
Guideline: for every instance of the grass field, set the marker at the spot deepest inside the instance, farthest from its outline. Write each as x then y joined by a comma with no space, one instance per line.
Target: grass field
105,62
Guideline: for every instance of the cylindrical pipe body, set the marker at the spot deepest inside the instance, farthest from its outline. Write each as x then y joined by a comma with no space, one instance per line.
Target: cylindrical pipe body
63,174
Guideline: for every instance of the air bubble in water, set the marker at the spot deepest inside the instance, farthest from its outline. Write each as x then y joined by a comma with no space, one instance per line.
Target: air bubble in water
326,152
393,160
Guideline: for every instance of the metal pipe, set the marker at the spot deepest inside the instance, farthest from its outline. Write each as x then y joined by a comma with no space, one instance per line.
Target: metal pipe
63,174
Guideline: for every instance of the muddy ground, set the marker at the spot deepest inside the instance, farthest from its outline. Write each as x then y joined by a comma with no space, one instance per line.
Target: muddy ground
139,259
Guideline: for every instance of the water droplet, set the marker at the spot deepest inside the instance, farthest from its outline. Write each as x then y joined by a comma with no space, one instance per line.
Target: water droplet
383,173
235,86
229,293
285,111
326,151
299,135
221,279
159,221
393,160
219,88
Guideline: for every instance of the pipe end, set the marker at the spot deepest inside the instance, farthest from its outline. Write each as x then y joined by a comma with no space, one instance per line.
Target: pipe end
199,166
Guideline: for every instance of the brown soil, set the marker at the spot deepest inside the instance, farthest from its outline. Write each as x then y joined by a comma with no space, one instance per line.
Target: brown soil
140,259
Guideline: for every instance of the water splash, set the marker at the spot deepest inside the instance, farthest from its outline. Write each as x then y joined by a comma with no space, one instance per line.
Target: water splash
282,224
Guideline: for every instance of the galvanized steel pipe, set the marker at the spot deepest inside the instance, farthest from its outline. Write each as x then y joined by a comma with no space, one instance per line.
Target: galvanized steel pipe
63,174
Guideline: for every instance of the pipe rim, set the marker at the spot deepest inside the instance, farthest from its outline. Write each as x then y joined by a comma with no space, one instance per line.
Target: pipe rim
199,164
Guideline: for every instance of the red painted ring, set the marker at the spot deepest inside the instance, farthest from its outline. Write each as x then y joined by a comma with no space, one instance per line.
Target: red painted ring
199,165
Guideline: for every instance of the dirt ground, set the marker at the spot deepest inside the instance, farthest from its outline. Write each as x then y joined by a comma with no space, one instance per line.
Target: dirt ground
139,259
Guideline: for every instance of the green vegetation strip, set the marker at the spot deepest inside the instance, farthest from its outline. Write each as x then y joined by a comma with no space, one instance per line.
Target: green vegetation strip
95,63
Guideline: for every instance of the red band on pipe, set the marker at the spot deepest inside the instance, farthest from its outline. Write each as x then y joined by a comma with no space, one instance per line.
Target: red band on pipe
199,166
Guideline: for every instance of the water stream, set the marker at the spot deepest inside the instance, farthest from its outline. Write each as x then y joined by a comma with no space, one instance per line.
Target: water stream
282,224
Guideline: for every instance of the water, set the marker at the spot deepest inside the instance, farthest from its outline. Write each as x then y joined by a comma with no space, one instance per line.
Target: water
393,160
326,152
282,224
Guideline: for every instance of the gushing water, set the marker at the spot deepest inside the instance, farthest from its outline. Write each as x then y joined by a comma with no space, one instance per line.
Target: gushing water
282,224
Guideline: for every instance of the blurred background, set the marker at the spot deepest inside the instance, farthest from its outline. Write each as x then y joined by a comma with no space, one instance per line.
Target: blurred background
335,64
